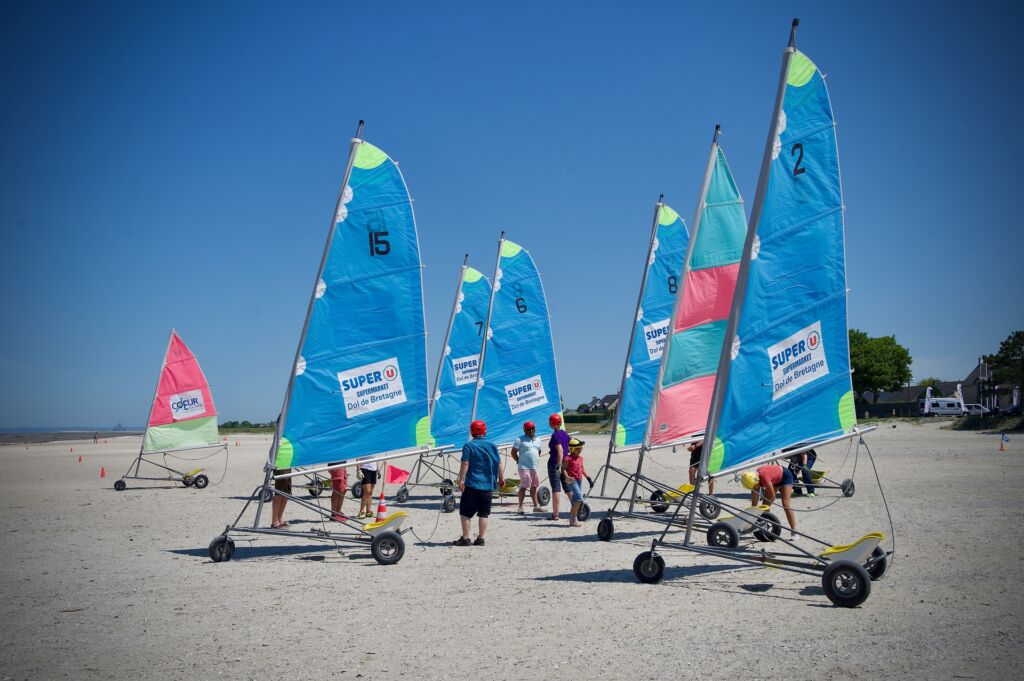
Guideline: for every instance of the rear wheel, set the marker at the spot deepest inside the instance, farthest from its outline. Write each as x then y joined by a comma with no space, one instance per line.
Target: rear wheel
723,535
583,512
656,501
186,480
543,495
200,481
848,488
266,494
768,527
605,529
649,568
709,509
222,548
387,548
403,494
877,565
357,489
846,583
448,503
120,485
315,487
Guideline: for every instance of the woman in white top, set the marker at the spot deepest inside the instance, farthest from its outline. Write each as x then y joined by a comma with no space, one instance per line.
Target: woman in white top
369,474
526,452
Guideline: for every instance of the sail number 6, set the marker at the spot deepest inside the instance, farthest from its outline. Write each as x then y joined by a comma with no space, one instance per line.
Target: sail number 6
521,305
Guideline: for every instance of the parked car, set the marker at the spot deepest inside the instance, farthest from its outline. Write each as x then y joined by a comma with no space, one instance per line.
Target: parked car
977,410
1010,411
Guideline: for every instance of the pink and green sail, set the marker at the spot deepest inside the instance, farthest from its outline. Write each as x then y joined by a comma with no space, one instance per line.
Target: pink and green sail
183,415
698,325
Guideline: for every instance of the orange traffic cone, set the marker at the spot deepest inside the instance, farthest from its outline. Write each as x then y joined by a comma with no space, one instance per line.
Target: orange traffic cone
1002,445
382,510
71,449
236,443
103,472
79,458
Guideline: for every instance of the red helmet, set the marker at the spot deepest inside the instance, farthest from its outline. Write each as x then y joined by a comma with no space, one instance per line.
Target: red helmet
478,429
555,420
528,426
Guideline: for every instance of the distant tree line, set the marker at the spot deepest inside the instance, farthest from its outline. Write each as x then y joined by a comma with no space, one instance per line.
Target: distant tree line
228,425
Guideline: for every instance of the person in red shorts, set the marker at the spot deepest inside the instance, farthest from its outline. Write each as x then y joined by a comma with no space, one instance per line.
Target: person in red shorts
764,482
339,485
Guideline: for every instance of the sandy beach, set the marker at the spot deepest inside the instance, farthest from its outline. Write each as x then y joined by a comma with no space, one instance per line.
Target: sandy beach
104,584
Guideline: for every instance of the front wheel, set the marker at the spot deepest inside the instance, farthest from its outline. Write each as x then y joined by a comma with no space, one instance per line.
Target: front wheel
657,505
768,527
448,503
709,509
877,564
605,529
200,481
357,489
723,536
447,487
266,494
583,512
846,583
543,495
222,548
187,480
387,548
120,485
848,488
649,568
403,494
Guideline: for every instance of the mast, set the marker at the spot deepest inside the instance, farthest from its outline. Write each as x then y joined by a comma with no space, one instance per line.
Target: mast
447,336
495,285
279,432
632,336
725,358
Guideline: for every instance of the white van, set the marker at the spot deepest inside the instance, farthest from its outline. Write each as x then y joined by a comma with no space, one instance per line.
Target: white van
941,406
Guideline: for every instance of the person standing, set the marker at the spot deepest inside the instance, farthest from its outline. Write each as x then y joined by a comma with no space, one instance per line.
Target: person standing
339,486
574,472
369,473
803,463
479,475
558,447
526,453
695,450
284,486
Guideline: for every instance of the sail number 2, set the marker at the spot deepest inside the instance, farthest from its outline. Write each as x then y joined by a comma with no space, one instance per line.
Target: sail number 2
797,170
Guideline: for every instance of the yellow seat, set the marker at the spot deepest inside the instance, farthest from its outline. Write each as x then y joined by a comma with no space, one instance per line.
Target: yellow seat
818,476
857,551
192,474
396,519
752,510
684,488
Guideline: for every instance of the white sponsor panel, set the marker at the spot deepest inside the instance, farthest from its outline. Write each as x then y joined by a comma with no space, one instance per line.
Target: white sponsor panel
187,405
465,369
797,360
525,394
371,387
655,335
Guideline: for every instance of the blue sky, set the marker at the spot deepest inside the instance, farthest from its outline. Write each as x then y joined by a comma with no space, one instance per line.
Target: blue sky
176,164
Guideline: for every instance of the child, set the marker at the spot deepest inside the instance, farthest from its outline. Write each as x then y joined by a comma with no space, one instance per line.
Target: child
764,482
573,473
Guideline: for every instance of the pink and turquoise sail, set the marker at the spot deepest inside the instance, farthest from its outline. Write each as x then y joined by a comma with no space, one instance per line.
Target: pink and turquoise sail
359,383
650,325
698,326
784,371
183,415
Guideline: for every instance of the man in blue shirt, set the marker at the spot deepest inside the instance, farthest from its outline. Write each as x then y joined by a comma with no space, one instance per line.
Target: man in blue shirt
479,475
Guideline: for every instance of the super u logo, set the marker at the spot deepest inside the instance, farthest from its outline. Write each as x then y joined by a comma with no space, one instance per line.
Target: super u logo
813,340
390,372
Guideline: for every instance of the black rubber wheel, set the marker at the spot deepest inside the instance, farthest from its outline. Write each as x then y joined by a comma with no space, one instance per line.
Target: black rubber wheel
448,503
877,564
315,487
708,509
403,494
768,528
221,549
543,495
200,481
387,548
357,489
848,488
846,583
120,485
658,495
447,487
649,569
266,494
605,529
187,480
723,535
583,512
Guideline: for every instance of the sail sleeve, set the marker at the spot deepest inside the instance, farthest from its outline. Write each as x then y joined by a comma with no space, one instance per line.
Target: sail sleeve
360,385
518,381
708,283
789,378
183,414
460,363
652,320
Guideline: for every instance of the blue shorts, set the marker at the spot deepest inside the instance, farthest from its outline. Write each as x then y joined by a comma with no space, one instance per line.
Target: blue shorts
575,491
787,477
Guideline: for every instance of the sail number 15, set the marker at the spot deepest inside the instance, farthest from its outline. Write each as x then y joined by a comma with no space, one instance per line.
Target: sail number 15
379,244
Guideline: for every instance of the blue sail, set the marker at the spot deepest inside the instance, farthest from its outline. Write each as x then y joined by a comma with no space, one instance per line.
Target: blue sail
651,326
453,401
360,384
789,377
518,381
